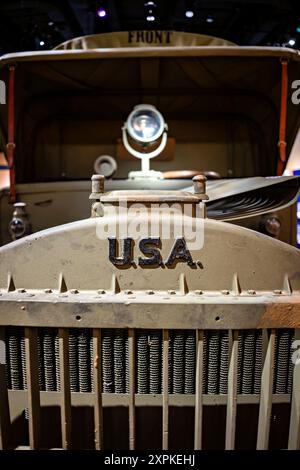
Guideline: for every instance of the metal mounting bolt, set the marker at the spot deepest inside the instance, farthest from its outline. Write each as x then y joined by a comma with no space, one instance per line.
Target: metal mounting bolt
98,183
199,182
172,292
225,292
251,292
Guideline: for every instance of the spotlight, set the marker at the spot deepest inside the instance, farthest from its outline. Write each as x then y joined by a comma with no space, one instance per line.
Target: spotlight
150,4
145,125
209,19
101,12
150,18
42,43
292,42
189,14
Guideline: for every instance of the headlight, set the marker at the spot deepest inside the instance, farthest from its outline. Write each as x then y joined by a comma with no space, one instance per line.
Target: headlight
145,124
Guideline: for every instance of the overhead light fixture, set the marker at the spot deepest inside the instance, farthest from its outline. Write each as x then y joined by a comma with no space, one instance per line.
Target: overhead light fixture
292,42
189,14
209,19
145,125
101,12
150,4
150,18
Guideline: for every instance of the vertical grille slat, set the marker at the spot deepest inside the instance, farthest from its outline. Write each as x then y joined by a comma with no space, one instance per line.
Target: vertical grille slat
265,405
132,378
96,374
199,390
165,390
32,368
231,409
64,368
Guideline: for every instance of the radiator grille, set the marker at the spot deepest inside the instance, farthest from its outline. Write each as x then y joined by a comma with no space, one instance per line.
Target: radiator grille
148,360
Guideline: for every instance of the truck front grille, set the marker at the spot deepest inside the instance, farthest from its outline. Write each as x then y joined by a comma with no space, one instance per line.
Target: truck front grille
215,382
148,361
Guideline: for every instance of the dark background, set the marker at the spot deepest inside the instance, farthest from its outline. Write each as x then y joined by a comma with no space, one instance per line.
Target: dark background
34,25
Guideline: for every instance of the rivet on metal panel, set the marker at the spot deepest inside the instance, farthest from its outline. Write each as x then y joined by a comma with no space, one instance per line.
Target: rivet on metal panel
150,292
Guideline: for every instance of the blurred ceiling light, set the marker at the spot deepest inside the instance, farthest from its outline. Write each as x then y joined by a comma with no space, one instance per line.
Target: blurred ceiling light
189,14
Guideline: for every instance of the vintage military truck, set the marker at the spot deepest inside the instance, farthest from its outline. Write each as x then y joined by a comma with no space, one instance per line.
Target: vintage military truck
120,329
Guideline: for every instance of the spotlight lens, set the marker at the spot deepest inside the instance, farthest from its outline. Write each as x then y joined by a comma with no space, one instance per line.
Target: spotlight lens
145,124
150,18
292,42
